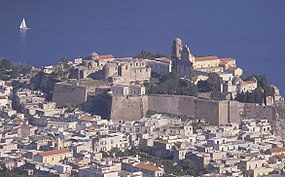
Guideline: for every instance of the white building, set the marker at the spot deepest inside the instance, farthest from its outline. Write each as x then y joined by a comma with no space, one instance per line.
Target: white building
161,66
248,86
106,143
128,90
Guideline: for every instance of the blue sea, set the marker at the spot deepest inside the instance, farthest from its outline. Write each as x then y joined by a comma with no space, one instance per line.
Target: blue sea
253,31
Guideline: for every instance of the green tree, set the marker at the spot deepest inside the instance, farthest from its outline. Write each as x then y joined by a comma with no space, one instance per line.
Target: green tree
204,86
261,80
214,81
171,84
258,95
250,97
217,95
12,71
62,68
189,168
169,76
192,78
148,54
269,91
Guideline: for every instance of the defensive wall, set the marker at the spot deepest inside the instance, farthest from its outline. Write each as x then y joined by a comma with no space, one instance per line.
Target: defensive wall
215,112
65,94
128,108
258,112
70,93
125,108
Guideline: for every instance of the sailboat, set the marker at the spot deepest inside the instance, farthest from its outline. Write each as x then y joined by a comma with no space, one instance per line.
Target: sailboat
23,25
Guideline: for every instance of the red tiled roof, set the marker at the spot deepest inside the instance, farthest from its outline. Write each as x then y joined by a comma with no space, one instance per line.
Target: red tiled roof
77,160
280,149
231,68
226,59
109,56
162,141
223,62
249,82
206,58
54,152
280,157
86,117
147,166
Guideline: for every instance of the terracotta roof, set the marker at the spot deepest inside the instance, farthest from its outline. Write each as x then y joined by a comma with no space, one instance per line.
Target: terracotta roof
2,97
231,68
223,62
206,58
178,144
54,152
226,59
147,166
162,141
280,157
91,129
77,160
86,117
249,82
109,56
274,150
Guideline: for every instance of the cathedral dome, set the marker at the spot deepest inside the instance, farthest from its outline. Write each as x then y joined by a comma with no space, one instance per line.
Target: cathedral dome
93,56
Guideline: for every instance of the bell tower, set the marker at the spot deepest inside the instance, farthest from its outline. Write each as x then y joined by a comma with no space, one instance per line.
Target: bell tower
186,55
176,53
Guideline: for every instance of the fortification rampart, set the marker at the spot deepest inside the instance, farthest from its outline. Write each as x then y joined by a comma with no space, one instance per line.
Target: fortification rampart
128,108
216,112
254,111
69,94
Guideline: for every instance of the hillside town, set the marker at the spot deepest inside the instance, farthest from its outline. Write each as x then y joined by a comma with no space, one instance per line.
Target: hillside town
144,116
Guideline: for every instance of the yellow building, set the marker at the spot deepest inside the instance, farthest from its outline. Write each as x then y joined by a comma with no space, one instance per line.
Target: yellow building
234,70
149,169
227,62
206,62
248,86
53,157
263,171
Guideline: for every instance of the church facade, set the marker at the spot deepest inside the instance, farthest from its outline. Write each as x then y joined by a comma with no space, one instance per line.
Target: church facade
182,58
184,62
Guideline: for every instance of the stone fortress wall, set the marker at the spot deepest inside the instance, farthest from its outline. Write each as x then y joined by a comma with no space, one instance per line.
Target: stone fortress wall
65,94
135,107
215,112
128,108
187,106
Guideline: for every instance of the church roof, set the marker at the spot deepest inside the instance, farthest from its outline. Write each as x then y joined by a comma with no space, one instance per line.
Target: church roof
227,59
231,68
109,56
206,58
54,152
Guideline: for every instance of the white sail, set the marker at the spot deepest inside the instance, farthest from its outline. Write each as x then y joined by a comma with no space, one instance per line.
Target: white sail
23,24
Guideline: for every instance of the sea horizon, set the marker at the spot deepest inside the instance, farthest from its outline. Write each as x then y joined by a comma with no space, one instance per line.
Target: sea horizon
251,32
